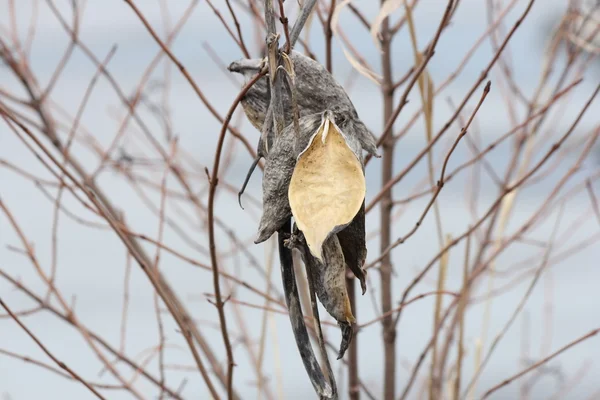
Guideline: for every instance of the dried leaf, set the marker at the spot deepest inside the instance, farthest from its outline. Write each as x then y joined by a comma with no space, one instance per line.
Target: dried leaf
357,65
425,81
361,69
386,9
308,25
327,187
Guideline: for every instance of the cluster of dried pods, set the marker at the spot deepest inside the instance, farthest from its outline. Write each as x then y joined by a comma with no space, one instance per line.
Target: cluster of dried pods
314,171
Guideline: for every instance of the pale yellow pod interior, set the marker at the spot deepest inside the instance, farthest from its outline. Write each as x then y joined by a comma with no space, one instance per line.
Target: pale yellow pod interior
327,187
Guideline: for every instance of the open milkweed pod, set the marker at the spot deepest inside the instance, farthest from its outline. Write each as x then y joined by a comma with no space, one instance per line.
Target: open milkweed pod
279,166
353,237
331,282
353,242
328,279
327,188
325,389
256,100
316,89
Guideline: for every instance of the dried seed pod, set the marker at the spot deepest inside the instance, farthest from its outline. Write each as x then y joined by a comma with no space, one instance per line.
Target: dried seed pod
330,286
316,90
331,282
292,298
279,166
327,187
353,237
315,172
328,279
352,240
256,100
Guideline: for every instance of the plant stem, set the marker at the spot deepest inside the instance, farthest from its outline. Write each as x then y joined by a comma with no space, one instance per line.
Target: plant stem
389,330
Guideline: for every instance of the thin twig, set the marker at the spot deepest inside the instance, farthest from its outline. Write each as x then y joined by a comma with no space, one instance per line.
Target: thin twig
48,353
214,180
540,363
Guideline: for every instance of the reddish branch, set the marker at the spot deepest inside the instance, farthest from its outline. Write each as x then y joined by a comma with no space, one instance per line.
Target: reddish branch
540,363
214,180
49,354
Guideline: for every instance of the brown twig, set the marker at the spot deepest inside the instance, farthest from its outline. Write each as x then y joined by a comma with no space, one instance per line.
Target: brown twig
68,318
386,269
239,30
236,39
107,211
61,364
440,182
285,22
214,180
427,55
186,74
328,37
541,362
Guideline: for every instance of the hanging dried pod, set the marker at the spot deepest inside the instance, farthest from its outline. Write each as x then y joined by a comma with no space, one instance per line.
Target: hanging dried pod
314,171
329,281
279,167
317,176
327,187
316,91
352,241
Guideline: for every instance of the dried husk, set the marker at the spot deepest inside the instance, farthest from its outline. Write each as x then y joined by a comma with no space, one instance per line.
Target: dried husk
328,280
341,241
327,187
316,91
292,298
352,241
279,166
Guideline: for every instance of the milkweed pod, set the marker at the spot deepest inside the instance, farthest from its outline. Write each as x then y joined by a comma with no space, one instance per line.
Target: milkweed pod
329,283
256,100
365,138
327,187
353,242
279,166
324,389
316,89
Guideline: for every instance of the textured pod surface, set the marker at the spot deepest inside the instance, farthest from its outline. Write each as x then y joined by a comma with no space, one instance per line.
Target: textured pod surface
279,166
327,188
328,280
316,91
353,242
255,107
322,387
